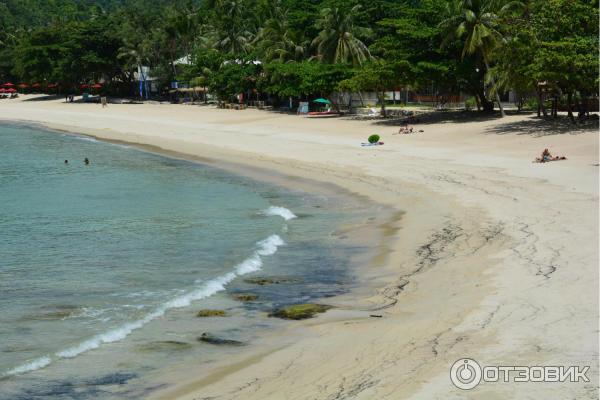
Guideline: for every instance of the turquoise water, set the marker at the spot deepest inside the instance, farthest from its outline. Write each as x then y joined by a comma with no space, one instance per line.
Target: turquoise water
100,262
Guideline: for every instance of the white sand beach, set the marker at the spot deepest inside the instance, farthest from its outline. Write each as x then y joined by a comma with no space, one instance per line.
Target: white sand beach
492,257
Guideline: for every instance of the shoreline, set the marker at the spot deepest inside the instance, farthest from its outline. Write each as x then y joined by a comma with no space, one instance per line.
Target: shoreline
480,229
348,305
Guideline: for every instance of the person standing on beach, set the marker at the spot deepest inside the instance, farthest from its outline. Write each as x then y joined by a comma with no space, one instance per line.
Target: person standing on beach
104,101
86,161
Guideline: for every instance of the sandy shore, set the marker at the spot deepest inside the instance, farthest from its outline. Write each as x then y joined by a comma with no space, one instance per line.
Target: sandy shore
496,257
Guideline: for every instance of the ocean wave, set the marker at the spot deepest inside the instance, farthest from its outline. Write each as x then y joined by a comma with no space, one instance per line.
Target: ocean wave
30,366
281,212
85,138
206,289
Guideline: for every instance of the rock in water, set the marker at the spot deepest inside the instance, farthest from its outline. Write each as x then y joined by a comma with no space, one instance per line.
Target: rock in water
208,338
211,313
262,281
245,296
300,311
164,345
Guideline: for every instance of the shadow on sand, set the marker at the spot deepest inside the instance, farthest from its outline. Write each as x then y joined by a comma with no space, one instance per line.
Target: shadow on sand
531,125
46,97
440,117
538,127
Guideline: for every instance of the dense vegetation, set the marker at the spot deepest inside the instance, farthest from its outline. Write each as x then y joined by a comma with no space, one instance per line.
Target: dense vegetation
540,48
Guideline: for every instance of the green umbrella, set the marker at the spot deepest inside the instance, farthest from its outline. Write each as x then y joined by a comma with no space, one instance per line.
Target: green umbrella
322,100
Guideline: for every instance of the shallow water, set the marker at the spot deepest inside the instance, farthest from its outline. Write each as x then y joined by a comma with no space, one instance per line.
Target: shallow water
103,266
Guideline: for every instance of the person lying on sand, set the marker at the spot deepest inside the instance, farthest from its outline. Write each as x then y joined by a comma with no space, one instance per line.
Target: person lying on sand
406,129
547,157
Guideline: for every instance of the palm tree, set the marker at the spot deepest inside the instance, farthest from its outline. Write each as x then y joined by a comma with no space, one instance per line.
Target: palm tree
337,41
134,56
230,31
477,23
276,40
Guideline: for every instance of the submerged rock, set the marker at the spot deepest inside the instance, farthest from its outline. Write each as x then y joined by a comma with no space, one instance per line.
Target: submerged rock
262,281
211,313
300,311
164,345
208,338
245,296
54,312
117,378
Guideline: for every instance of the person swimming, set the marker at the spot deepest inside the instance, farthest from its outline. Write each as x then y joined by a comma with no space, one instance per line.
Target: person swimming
66,161
86,161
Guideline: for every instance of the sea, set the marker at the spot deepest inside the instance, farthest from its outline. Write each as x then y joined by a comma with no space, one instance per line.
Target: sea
104,266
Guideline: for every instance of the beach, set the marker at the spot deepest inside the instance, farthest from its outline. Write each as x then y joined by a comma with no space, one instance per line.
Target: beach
488,255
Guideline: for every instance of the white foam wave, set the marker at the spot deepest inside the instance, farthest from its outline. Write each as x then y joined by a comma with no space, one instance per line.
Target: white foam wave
85,138
30,366
281,212
253,263
250,264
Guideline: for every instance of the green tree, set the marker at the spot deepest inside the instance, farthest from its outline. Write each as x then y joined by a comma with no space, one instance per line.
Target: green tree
379,76
565,49
476,23
276,40
338,41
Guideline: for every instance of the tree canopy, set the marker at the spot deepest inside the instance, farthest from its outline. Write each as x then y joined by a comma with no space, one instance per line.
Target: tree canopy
293,48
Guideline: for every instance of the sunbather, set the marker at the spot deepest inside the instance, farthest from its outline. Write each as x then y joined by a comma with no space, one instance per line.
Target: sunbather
547,157
407,129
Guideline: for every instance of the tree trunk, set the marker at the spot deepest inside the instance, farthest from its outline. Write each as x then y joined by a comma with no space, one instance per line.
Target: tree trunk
541,106
487,68
486,105
362,101
382,101
569,108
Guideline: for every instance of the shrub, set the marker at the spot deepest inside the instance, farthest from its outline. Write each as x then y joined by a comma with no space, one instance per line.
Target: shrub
470,103
530,104
373,138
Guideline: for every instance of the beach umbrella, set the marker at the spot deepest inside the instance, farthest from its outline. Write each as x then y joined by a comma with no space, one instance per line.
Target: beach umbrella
52,85
2,90
11,90
96,86
322,101
35,85
84,86
23,85
8,84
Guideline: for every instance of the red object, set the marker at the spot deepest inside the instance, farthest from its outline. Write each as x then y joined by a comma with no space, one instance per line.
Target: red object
8,84
84,86
11,90
96,86
23,85
2,90
35,85
323,114
52,85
